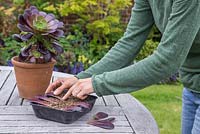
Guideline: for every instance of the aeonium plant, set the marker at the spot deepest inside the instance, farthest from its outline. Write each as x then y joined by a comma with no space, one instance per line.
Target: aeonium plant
39,34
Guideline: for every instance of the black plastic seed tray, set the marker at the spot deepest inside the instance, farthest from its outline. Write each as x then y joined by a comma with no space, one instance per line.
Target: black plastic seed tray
61,116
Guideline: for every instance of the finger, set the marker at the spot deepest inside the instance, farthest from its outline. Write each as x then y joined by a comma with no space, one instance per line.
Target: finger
82,95
76,91
60,89
69,93
52,86
61,79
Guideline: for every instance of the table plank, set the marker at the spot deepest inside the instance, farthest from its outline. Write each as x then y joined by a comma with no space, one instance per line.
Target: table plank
27,110
58,74
27,117
64,129
25,102
46,123
15,100
139,117
3,76
110,100
100,101
6,68
7,89
76,133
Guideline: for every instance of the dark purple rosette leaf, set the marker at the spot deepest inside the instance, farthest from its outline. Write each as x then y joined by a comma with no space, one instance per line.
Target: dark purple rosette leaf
51,94
53,23
49,17
42,14
17,37
47,56
112,119
21,57
24,54
41,48
26,37
45,98
53,26
27,17
83,104
25,51
100,120
57,47
21,19
102,124
38,101
100,115
24,28
58,33
32,7
60,25
53,55
32,60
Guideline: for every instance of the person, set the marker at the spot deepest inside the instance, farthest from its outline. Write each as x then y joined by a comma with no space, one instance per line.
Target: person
179,49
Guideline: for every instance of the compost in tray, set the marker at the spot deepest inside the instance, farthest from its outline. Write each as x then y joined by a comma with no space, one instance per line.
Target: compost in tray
52,107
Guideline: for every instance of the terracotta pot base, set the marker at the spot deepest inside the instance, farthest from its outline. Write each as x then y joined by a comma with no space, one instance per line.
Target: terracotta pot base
32,79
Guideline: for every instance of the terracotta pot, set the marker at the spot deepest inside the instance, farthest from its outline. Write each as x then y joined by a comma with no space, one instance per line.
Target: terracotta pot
32,79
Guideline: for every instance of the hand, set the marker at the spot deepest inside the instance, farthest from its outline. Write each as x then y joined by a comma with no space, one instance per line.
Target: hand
60,84
81,89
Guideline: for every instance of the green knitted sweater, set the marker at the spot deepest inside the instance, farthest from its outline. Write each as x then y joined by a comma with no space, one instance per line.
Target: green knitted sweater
179,49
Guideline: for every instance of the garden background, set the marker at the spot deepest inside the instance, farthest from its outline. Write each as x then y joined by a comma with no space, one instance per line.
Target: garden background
92,27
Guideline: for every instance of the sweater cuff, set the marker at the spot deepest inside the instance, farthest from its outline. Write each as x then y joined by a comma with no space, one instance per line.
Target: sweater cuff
82,75
94,84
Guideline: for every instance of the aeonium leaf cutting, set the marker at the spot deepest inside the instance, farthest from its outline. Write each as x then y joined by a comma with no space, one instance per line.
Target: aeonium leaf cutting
100,115
100,120
39,34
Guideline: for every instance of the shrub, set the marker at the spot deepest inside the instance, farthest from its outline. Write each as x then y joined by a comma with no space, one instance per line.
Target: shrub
12,48
96,29
7,21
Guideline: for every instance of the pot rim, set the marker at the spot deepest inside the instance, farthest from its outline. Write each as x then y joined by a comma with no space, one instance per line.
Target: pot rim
16,63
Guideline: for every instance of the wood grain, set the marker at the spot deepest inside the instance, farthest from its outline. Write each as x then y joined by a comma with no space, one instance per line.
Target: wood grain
139,117
7,89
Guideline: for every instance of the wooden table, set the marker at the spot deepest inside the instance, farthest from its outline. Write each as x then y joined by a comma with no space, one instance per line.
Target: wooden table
16,115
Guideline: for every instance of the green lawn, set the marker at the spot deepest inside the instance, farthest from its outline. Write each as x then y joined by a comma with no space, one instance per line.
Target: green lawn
164,102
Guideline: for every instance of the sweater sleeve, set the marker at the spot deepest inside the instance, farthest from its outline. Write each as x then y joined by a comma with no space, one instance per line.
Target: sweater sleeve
182,27
125,50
